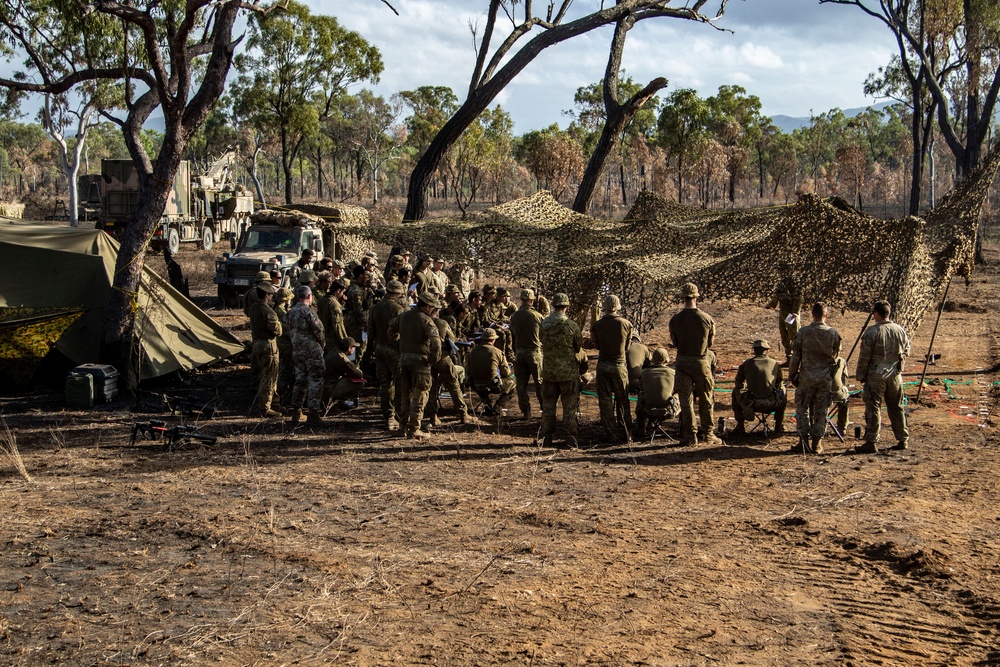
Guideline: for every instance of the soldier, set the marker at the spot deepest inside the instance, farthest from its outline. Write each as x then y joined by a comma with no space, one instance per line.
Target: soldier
759,388
561,341
814,357
307,352
387,350
437,272
446,373
637,357
419,345
422,273
305,263
338,272
251,296
692,332
286,365
392,271
359,301
788,299
884,348
265,329
346,378
331,314
309,279
656,391
488,369
612,335
524,328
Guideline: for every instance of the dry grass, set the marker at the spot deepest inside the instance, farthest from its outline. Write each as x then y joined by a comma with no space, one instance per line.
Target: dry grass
8,447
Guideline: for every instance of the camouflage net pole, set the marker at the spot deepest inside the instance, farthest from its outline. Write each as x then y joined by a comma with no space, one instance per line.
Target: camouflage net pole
838,254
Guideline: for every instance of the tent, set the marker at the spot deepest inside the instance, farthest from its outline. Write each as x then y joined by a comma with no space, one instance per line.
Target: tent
61,268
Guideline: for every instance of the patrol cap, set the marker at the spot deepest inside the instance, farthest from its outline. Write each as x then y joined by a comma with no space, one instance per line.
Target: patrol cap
611,304
371,253
324,276
262,276
395,287
284,294
398,259
527,295
307,277
488,334
439,259
452,289
761,343
689,290
350,342
474,294
502,292
338,264
560,299
267,287
489,289
429,299
660,357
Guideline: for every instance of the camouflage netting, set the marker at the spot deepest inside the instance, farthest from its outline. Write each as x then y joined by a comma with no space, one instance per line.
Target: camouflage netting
28,335
345,225
838,254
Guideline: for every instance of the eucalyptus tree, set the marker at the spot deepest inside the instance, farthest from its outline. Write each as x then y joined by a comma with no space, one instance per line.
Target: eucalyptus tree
295,65
682,130
495,68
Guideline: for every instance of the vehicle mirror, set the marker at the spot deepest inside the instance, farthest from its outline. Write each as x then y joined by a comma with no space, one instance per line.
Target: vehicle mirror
318,245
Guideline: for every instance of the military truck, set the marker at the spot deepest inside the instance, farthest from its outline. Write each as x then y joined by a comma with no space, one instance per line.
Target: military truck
201,209
276,239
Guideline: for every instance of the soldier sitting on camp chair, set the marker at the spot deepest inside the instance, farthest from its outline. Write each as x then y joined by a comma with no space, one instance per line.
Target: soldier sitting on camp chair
758,389
657,400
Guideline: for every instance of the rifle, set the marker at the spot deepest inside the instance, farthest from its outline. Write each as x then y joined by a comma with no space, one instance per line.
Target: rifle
157,430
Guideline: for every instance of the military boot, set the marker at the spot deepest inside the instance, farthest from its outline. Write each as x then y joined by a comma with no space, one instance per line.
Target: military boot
315,419
470,419
392,424
866,448
778,430
799,447
817,446
434,421
296,417
418,435
900,446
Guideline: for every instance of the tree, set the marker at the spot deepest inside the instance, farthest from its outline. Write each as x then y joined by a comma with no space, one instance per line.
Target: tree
735,120
682,130
295,66
495,68
155,49
617,115
553,157
374,134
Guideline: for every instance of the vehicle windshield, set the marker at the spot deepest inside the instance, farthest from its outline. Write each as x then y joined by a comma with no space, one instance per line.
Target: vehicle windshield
278,240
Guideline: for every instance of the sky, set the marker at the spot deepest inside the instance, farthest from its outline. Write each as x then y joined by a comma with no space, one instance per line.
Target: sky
797,56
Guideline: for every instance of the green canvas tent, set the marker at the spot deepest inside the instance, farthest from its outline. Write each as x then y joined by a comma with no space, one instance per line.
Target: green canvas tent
49,267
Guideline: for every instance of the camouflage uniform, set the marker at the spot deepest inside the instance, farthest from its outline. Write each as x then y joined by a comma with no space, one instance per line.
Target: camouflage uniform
345,378
307,351
386,353
758,387
561,340
265,328
360,300
462,276
524,328
814,357
612,335
286,364
788,299
637,357
445,373
656,392
692,332
419,344
331,314
884,346
488,371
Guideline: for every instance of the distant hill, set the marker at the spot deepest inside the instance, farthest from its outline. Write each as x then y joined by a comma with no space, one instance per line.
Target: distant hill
788,124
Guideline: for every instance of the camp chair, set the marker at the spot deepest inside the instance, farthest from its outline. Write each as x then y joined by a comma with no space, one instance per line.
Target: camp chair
762,408
833,414
486,405
656,416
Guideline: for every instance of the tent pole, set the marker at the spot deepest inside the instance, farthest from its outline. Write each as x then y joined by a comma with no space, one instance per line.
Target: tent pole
927,359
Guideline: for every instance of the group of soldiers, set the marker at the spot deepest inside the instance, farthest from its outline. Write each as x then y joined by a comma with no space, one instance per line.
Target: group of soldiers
417,328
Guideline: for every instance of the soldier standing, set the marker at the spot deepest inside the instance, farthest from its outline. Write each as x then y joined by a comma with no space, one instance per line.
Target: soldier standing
265,329
331,314
307,352
444,372
814,358
884,348
758,387
286,366
788,300
612,335
692,332
387,350
524,328
561,341
358,303
419,345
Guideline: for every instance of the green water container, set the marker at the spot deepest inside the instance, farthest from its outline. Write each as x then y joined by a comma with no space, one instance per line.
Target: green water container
80,391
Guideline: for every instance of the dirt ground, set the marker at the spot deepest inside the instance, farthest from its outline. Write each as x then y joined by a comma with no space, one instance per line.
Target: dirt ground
348,546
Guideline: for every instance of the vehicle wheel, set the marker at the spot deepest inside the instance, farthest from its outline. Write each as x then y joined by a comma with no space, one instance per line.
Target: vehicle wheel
228,298
207,238
173,241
